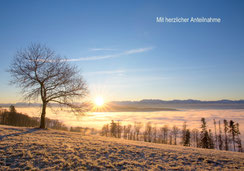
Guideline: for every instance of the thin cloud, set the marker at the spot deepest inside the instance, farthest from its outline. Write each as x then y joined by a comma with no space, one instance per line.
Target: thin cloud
149,79
133,51
106,72
99,57
121,71
102,49
92,58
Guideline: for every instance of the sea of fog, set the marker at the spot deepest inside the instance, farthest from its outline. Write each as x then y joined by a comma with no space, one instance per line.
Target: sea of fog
98,119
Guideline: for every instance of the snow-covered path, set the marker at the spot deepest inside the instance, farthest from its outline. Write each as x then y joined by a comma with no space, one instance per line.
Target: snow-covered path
29,148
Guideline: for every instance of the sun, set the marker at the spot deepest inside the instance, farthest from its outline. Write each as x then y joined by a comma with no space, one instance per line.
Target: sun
99,101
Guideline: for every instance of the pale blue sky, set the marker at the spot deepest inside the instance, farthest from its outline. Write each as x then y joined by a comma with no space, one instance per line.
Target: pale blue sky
124,54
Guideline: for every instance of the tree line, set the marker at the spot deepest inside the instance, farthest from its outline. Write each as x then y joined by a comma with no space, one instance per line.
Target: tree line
14,118
84,130
226,135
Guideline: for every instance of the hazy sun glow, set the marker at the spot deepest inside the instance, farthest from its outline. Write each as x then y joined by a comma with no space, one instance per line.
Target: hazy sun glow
99,101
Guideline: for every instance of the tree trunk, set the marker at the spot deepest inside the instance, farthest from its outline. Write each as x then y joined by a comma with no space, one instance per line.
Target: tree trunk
233,140
43,123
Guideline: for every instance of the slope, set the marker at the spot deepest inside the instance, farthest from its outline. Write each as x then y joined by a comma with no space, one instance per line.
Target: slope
30,148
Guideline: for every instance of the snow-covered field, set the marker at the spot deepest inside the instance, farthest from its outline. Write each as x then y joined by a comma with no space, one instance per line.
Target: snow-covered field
30,148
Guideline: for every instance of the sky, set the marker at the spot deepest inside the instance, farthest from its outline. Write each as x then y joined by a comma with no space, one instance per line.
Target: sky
124,54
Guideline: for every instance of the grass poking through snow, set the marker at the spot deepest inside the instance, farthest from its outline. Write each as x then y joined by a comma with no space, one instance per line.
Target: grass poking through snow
29,148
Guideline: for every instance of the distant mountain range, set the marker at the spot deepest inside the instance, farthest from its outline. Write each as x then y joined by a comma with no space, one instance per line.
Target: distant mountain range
189,101
158,105
184,104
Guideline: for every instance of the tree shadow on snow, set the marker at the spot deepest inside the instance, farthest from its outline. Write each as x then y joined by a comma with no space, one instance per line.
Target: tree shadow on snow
20,133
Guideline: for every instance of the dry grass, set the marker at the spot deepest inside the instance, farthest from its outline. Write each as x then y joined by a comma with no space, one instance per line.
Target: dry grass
28,148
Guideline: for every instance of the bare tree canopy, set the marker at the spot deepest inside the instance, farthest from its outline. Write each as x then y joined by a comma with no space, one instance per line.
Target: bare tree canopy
44,75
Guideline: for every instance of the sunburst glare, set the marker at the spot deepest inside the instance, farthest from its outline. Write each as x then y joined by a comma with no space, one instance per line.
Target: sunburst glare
99,102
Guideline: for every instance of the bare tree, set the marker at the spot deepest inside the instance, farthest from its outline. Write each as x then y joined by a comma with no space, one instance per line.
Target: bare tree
164,134
113,129
171,137
216,137
124,132
238,140
127,132
154,134
220,140
148,132
195,137
175,132
210,139
42,74
105,130
130,132
137,128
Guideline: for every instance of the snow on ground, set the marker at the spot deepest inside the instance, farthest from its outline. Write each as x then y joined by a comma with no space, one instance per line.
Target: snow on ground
30,148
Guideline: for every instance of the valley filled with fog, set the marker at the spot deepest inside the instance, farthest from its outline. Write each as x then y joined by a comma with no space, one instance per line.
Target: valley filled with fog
160,118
